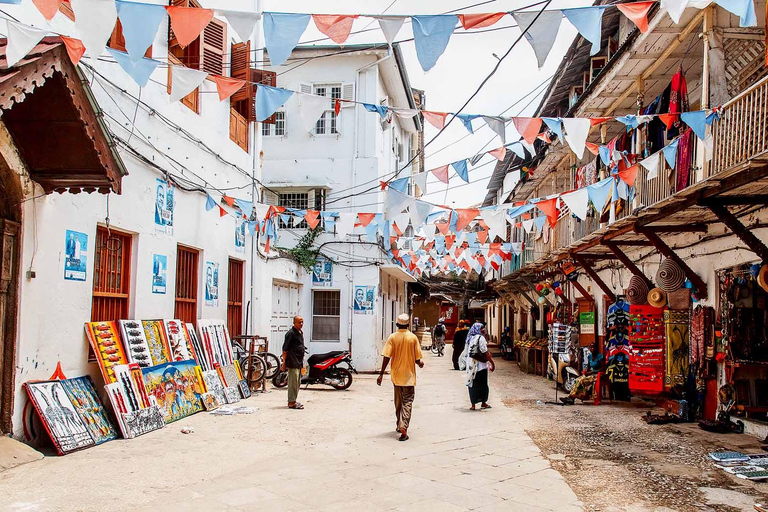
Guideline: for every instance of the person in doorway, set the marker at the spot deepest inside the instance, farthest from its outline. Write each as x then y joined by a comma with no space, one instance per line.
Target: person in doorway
438,333
415,324
403,350
459,340
479,361
293,360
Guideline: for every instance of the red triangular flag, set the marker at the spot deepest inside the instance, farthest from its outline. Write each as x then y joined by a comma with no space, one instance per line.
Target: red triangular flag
441,173
48,8
335,26
442,227
436,119
226,86
449,239
499,153
465,216
593,148
594,121
75,48
494,265
527,127
637,12
549,207
365,218
312,218
266,247
230,201
396,253
337,106
628,175
222,212
397,229
482,236
188,22
668,119
480,20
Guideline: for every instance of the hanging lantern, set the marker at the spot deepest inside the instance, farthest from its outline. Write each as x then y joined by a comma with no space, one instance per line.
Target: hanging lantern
556,284
541,300
539,287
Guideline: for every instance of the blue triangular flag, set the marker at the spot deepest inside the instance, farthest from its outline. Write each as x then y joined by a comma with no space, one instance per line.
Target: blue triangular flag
139,71
471,238
517,149
245,206
140,23
252,224
539,221
714,116
605,155
210,203
269,99
744,9
431,35
697,120
406,258
384,226
381,109
401,185
598,193
461,169
466,119
371,230
454,221
282,33
556,125
629,120
670,153
440,243
588,21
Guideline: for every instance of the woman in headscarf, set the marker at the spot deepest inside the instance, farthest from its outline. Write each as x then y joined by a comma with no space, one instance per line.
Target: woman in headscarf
479,361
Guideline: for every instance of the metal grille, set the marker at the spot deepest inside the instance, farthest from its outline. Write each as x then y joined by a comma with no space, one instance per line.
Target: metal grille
298,200
326,315
235,298
111,276
186,285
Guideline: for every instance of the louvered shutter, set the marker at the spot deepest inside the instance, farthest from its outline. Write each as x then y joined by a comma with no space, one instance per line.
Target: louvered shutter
213,46
269,197
240,58
348,94
261,76
305,88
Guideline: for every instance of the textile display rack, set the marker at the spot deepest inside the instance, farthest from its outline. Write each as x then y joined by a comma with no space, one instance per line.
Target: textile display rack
647,340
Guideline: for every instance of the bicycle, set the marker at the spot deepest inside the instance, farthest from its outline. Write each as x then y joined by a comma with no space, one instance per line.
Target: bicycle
257,365
438,347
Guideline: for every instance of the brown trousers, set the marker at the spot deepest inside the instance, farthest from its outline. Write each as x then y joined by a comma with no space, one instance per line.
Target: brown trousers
403,405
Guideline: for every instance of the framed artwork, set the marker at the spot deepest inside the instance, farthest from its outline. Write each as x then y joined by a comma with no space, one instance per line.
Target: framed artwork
210,402
178,340
232,394
175,388
229,375
154,332
201,358
135,342
59,417
214,386
84,398
244,389
211,283
159,273
76,256
105,343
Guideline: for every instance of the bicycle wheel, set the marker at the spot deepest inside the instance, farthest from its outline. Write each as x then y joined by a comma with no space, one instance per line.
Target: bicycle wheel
434,349
280,380
273,364
258,372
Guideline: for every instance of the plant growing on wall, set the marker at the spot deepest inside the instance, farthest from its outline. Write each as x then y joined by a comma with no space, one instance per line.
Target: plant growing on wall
303,252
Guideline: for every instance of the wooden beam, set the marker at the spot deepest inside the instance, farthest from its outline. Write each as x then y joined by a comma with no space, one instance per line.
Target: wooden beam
657,55
598,257
691,228
595,277
668,252
746,200
745,235
628,263
632,243
584,293
523,293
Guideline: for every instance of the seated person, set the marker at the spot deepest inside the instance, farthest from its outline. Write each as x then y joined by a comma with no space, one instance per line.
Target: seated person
584,387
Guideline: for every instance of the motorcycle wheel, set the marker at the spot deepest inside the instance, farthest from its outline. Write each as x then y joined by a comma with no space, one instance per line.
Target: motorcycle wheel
273,365
280,380
568,380
344,376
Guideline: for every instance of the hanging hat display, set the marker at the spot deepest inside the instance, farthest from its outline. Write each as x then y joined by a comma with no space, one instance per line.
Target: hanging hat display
637,291
670,276
679,299
762,277
657,298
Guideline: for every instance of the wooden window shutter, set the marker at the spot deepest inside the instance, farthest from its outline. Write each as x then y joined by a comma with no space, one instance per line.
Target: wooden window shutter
261,76
241,53
213,46
117,40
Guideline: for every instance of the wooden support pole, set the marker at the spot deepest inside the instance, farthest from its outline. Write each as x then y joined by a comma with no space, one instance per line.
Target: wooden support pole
628,263
583,291
745,235
668,252
525,296
595,277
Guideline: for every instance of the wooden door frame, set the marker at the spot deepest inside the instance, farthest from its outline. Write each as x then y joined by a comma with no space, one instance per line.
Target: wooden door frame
10,265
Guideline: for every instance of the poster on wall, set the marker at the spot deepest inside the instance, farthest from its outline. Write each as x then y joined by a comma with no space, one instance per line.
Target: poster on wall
322,273
76,256
164,203
239,235
365,297
211,284
159,272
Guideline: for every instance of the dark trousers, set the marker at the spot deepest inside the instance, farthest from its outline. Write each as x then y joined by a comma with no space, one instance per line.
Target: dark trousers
458,348
478,393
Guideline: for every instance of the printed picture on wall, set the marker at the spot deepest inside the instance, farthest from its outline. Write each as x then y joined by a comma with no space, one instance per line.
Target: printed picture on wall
239,235
75,256
322,273
211,283
164,203
159,272
365,297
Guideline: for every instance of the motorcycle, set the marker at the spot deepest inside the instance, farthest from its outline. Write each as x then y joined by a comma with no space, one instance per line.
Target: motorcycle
324,369
562,371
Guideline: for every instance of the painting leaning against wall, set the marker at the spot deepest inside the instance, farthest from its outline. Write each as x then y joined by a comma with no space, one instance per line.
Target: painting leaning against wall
175,387
59,416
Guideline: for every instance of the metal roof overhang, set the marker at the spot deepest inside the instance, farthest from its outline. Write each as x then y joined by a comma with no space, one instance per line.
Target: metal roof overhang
397,272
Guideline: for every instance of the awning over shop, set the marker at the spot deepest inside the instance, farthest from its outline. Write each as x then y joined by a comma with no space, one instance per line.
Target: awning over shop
55,122
398,273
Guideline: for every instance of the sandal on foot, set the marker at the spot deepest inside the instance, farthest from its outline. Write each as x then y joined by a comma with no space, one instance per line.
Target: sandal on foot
296,405
403,437
486,406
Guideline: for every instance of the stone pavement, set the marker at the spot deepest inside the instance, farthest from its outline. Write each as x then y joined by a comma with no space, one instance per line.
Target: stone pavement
341,452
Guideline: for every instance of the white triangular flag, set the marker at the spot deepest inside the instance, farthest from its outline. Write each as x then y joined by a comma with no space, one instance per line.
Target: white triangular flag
651,164
674,8
402,221
528,226
578,202
396,202
345,225
390,25
185,80
576,132
420,180
709,147
311,107
496,220
242,22
498,126
94,20
405,113
21,40
542,34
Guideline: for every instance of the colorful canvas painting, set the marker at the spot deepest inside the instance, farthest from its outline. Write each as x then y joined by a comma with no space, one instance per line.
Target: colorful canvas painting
155,335
214,386
210,402
135,343
59,417
142,421
175,387
201,358
229,375
232,394
83,396
106,344
178,340
678,340
216,342
244,389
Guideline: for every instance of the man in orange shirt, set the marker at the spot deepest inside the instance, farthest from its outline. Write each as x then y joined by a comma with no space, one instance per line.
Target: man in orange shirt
402,348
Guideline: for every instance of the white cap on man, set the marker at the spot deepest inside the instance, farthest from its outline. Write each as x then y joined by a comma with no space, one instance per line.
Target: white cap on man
403,320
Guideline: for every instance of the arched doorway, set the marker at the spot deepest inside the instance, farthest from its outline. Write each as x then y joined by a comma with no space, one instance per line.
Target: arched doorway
11,197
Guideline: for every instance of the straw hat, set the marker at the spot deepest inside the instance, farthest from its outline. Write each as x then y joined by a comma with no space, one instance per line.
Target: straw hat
762,277
637,291
657,298
679,299
670,276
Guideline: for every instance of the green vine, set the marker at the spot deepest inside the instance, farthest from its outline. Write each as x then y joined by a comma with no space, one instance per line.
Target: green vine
302,252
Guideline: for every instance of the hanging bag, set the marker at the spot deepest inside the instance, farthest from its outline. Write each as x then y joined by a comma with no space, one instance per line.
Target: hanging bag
474,351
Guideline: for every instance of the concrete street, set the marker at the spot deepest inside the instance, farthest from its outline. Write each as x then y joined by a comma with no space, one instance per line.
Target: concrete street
341,452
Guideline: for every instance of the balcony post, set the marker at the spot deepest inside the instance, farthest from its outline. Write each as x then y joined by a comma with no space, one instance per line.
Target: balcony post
595,277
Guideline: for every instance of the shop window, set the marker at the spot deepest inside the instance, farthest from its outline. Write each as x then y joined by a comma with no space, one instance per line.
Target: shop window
186,285
235,297
111,276
326,315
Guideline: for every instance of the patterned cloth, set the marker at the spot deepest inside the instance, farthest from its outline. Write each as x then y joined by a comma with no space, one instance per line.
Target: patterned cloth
701,330
404,396
678,341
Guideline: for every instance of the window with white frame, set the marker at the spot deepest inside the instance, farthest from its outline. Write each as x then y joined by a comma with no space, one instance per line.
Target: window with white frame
278,129
326,315
328,122
298,200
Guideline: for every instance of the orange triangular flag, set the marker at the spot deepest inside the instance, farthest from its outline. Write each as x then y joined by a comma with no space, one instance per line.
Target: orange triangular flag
638,13
628,175
499,153
436,119
230,201
594,121
396,253
465,216
188,22
75,48
226,86
222,211
383,184
441,173
442,227
312,218
668,119
480,20
266,247
392,240
335,26
48,8
482,236
527,127
593,148
449,239
549,208
365,218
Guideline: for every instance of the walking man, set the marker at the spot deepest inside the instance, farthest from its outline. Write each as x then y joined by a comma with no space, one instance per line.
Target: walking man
293,360
402,348
439,334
